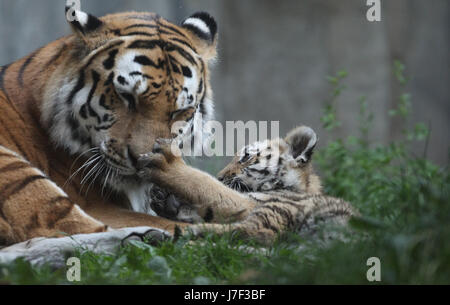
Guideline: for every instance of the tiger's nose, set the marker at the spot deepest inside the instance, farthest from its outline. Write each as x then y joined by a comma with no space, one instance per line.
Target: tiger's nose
132,156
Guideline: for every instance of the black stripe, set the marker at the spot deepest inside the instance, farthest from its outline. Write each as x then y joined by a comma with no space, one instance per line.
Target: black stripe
265,221
78,87
145,61
184,43
264,171
113,45
16,186
156,85
142,25
186,71
83,112
200,86
272,199
110,79
61,213
7,155
13,166
25,65
95,79
105,127
2,74
161,31
171,28
108,64
147,44
202,104
102,102
12,137
198,32
130,99
56,56
33,224
283,212
158,27
171,47
202,100
139,34
139,73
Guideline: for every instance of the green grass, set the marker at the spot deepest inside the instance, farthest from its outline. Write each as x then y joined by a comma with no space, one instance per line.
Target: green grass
404,202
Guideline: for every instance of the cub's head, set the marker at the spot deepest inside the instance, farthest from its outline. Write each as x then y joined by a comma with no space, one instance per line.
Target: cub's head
124,80
275,164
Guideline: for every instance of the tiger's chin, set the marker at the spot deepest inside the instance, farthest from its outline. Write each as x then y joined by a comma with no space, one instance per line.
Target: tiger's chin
134,188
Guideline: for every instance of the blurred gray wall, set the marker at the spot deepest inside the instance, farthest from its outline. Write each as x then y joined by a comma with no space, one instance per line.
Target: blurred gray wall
274,57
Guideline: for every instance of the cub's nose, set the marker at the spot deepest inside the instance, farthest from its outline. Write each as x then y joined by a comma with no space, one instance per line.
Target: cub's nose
223,177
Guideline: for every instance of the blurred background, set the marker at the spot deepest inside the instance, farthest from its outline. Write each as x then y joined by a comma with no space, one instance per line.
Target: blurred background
275,56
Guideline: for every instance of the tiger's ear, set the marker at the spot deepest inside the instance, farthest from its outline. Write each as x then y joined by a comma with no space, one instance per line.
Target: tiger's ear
83,24
302,141
203,31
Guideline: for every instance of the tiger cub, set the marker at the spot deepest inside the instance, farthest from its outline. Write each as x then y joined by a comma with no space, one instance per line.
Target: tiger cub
267,189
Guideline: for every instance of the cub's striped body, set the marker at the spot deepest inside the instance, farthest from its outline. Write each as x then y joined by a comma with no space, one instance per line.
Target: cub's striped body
267,189
95,101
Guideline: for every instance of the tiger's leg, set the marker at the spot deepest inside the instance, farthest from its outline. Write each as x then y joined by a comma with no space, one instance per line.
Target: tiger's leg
245,230
31,205
213,201
54,251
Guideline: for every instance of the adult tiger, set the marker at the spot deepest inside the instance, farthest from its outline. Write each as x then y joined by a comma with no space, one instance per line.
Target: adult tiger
106,92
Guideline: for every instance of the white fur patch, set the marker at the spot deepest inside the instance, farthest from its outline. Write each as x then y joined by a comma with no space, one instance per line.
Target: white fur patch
81,17
55,108
199,24
187,97
13,153
139,200
134,84
84,215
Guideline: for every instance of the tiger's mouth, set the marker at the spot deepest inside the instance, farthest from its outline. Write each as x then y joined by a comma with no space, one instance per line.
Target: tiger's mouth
118,167
122,164
237,184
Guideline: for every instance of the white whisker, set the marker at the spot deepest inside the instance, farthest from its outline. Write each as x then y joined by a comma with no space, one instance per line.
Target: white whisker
102,167
86,164
89,174
106,180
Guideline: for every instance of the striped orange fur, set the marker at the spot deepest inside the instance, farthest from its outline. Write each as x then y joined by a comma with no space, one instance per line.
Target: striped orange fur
98,99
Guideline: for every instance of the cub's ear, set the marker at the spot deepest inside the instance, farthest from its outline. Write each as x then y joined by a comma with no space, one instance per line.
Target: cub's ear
302,141
82,23
203,31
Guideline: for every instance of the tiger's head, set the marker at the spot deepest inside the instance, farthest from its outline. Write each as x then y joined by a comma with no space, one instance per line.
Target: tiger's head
275,164
127,80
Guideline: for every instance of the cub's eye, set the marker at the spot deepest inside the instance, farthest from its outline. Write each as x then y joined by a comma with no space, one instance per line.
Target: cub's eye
245,158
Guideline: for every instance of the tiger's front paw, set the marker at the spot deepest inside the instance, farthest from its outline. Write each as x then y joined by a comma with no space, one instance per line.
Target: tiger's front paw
169,206
164,155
